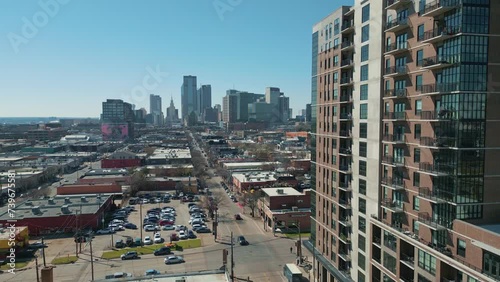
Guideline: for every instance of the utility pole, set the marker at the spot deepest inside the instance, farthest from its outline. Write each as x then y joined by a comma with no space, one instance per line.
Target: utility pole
80,224
91,260
36,264
141,220
77,233
232,258
299,244
43,254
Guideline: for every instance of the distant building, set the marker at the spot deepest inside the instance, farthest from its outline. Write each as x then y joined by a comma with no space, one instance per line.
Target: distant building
121,159
189,96
308,112
172,114
210,115
140,115
235,105
204,96
155,109
117,120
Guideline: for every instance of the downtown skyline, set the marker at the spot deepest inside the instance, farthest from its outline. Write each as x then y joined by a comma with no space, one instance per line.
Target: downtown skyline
123,47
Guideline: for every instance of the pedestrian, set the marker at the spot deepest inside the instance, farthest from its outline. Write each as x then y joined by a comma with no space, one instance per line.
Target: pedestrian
291,250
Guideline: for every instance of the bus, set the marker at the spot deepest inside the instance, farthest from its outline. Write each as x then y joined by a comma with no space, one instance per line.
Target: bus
292,273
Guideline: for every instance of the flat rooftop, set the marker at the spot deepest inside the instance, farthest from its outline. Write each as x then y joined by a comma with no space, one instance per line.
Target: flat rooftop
163,153
109,171
286,191
53,207
495,228
249,164
255,176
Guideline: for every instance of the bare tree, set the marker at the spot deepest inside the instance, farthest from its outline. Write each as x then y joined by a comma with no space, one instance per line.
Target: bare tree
251,200
212,203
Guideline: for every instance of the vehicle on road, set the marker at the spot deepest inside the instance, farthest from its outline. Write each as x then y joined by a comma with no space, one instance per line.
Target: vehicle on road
174,259
242,241
162,251
130,226
292,273
129,255
105,231
150,272
40,245
118,275
203,230
147,240
238,217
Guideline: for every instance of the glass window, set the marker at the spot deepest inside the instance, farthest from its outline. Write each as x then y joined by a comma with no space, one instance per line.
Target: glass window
363,130
361,242
416,155
427,262
336,26
364,52
362,168
363,92
420,32
362,149
362,187
362,205
362,224
361,277
420,57
364,73
361,261
418,107
461,247
416,203
491,264
416,179
418,82
363,111
389,262
365,13
365,33
417,131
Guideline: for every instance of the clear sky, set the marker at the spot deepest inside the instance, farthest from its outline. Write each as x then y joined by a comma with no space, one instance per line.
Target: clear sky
65,59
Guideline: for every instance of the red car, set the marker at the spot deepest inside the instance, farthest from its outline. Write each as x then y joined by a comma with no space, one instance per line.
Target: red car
166,222
174,237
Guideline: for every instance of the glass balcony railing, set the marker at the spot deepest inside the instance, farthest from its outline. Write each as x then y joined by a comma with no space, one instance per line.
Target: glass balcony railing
438,34
438,169
398,46
396,70
438,7
442,114
439,142
396,138
395,115
439,61
346,44
400,22
436,195
396,183
396,93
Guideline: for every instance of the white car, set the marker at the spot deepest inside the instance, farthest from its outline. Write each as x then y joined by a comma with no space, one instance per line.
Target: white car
168,227
174,259
158,239
183,235
151,228
147,241
196,221
180,227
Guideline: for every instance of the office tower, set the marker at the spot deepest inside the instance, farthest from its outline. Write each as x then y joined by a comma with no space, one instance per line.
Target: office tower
235,105
419,188
308,113
172,113
204,97
140,115
155,109
189,96
229,106
284,108
117,120
272,95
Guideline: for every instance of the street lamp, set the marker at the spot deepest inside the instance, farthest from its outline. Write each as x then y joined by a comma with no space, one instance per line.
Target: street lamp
299,243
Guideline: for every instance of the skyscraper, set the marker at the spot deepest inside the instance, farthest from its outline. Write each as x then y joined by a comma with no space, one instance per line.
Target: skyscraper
155,109
189,96
172,113
404,143
204,97
117,120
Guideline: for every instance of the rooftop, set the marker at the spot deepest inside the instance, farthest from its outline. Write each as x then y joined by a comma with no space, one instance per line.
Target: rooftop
5,232
255,176
163,153
109,171
281,191
495,228
249,164
56,206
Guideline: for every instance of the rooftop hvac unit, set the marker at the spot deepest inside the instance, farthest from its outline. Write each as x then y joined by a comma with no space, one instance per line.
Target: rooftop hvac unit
51,201
65,209
29,203
67,200
180,280
280,191
36,210
295,208
84,199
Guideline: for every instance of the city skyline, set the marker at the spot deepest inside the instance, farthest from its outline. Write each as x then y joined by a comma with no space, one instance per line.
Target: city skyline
120,53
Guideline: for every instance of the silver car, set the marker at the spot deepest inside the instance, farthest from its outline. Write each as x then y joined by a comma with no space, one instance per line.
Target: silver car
174,259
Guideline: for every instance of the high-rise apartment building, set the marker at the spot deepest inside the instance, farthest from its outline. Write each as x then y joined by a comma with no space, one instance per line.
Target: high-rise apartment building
117,120
189,97
404,142
155,109
204,98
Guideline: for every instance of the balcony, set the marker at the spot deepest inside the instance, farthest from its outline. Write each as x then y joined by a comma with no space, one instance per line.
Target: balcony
395,93
345,186
345,256
392,205
347,45
345,151
396,48
345,238
438,7
439,62
437,143
346,221
395,71
397,25
440,34
436,169
431,222
439,88
437,115
408,260
345,133
395,139
435,195
396,162
377,241
347,63
347,26
395,116
346,98
396,4
344,81
396,183
345,168
345,116
346,204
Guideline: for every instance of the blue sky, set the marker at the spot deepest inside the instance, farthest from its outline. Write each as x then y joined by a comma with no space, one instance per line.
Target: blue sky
89,50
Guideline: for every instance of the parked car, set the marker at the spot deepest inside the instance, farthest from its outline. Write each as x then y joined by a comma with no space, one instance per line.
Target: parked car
150,227
183,235
129,255
147,240
158,239
150,272
242,241
130,226
138,242
203,230
119,244
40,245
105,231
180,227
174,237
118,275
191,234
168,227
174,259
162,251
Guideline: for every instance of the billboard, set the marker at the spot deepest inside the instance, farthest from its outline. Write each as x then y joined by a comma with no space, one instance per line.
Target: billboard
114,131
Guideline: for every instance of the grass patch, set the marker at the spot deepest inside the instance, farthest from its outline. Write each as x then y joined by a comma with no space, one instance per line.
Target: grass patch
64,260
146,250
296,235
19,265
